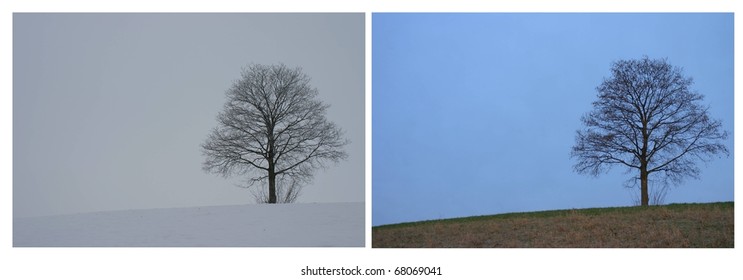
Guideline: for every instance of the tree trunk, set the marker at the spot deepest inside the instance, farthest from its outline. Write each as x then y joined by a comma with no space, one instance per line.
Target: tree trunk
271,167
271,177
271,185
644,197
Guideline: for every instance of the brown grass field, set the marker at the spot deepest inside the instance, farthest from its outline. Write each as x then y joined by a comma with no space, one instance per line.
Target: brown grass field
708,225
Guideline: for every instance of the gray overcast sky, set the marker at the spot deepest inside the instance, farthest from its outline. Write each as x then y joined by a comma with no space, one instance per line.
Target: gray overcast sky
109,110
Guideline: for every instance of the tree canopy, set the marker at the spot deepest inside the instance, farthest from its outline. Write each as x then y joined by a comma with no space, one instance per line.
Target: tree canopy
647,118
273,127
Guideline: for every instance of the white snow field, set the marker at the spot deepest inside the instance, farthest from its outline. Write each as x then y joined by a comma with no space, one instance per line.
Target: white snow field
261,225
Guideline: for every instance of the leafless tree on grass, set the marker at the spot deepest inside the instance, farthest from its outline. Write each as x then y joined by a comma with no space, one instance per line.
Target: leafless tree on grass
274,128
648,119
657,191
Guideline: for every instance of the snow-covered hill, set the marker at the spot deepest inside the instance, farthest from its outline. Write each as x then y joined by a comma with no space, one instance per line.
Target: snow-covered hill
280,225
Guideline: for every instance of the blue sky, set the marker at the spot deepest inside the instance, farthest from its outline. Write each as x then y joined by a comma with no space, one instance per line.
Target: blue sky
475,114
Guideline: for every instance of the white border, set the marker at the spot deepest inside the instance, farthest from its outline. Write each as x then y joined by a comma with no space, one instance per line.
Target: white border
280,263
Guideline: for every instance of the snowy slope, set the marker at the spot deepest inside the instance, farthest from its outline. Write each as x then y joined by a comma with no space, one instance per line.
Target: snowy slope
280,225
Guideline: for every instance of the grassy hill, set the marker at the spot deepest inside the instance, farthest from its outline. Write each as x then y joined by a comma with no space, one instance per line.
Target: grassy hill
675,225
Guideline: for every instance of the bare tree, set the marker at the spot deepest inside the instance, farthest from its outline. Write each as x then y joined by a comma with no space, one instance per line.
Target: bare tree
657,191
273,127
287,191
648,119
